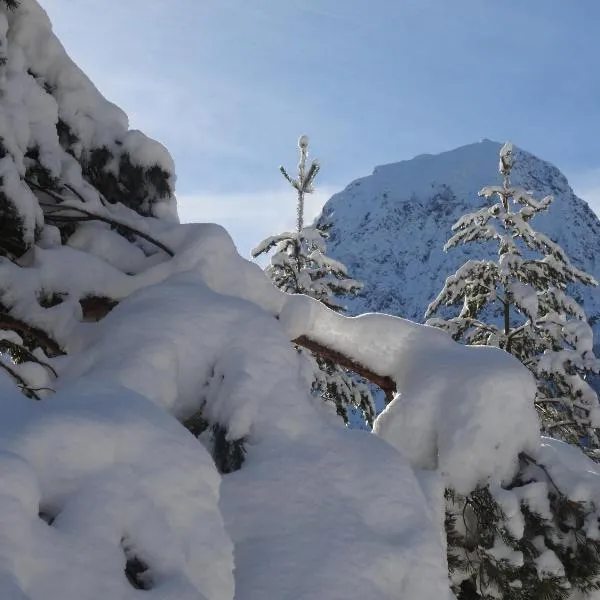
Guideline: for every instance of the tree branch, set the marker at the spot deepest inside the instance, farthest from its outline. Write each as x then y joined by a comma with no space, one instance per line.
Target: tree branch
386,383
15,350
92,216
95,308
26,331
527,458
20,381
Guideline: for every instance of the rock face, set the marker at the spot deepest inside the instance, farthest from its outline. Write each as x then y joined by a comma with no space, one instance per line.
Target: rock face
389,228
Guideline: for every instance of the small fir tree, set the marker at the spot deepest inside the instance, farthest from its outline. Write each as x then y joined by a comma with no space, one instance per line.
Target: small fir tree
299,265
520,303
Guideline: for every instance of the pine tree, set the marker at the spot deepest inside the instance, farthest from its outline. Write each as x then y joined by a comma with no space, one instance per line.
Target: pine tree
11,4
520,303
527,541
299,265
54,183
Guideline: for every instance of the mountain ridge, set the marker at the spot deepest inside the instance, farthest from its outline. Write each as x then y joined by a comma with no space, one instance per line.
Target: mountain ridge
389,228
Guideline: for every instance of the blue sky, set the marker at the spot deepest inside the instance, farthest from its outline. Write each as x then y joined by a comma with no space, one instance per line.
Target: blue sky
229,85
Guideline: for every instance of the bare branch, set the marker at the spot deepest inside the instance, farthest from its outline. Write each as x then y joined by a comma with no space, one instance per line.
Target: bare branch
527,458
95,308
22,384
25,330
386,383
15,349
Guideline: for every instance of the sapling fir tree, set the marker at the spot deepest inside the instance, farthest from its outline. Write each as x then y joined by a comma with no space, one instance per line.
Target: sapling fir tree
520,303
299,265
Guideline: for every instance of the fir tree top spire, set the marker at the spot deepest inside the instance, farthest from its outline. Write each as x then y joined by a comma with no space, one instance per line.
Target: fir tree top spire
299,265
303,183
506,159
505,168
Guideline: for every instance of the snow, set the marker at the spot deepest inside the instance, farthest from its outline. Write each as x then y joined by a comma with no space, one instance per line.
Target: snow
465,410
107,466
185,336
147,152
389,228
470,420
323,535
548,563
100,474
575,474
31,34
41,85
297,315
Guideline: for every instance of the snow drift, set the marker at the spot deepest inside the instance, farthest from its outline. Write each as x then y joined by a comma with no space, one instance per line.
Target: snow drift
104,491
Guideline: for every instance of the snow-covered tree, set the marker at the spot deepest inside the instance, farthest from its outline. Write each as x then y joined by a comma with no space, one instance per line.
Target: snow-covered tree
528,539
146,359
11,4
299,265
520,303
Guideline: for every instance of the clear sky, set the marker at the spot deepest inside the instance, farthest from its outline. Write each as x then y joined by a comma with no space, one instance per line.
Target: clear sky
229,85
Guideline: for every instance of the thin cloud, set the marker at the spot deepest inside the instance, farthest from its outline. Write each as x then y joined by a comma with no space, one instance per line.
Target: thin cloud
587,186
251,217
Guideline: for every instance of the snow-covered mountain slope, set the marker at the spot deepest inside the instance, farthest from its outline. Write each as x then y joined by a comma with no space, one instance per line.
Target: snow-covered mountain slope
389,228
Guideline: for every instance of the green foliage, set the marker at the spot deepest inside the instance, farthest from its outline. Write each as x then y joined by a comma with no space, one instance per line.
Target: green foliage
345,391
12,239
11,4
135,186
229,455
12,235
547,548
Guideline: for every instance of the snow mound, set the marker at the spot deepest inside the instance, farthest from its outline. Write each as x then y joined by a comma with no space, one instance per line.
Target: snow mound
192,333
95,475
470,420
104,492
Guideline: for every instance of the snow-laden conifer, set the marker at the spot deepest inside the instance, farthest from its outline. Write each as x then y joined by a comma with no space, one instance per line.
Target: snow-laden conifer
531,538
520,302
299,265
